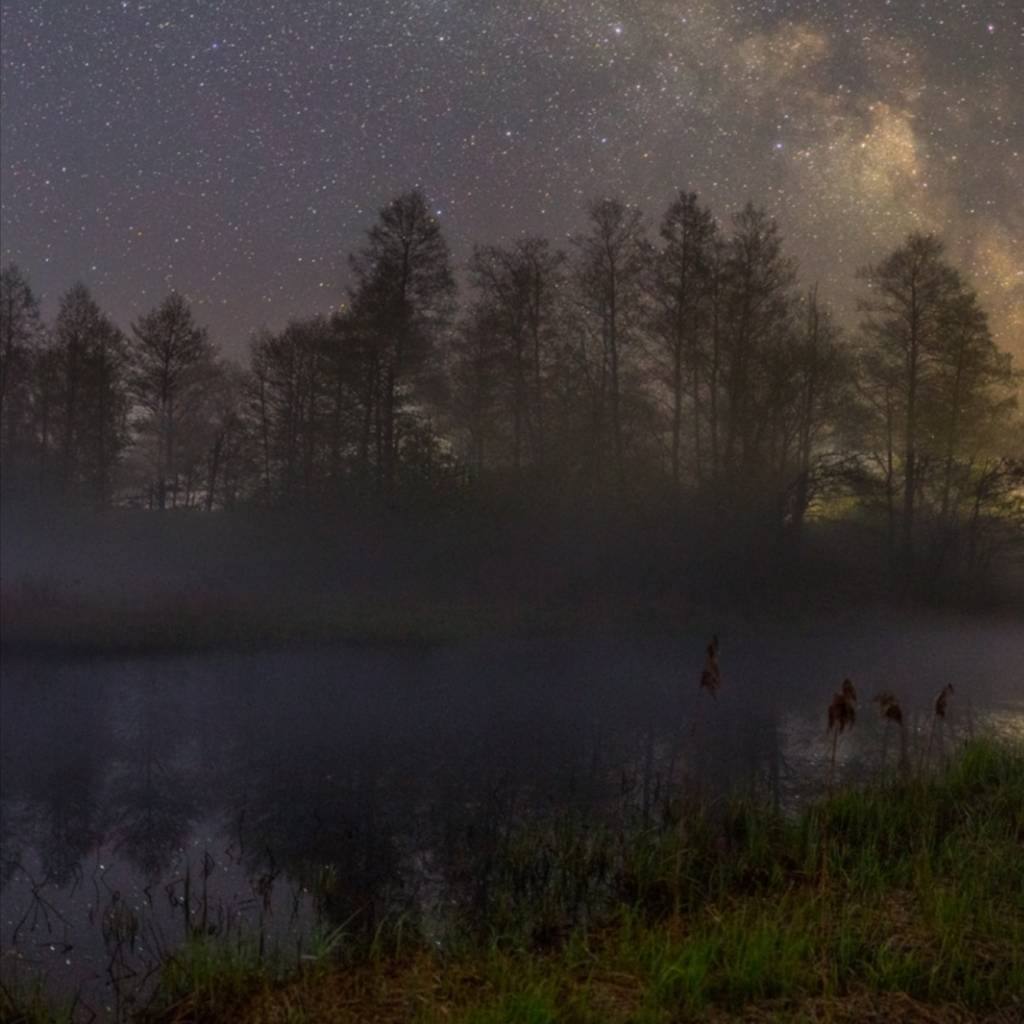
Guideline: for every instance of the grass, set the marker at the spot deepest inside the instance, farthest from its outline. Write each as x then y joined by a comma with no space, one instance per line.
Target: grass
901,902
203,976
28,1004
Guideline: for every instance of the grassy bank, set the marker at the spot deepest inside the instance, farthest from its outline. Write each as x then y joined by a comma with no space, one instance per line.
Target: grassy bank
131,581
53,626
902,902
43,622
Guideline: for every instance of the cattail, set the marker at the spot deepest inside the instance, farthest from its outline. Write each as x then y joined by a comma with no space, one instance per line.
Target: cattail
941,707
891,711
842,713
942,701
711,676
889,707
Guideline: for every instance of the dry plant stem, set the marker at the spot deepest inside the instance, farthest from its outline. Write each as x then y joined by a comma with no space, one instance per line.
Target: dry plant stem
832,761
677,895
841,713
926,760
823,846
711,675
939,722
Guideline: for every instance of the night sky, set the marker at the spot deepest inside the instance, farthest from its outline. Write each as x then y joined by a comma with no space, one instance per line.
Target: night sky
237,150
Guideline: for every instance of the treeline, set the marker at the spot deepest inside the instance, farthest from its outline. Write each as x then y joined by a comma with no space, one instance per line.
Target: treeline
689,369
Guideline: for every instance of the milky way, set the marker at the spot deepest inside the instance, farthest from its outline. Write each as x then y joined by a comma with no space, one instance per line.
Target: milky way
237,150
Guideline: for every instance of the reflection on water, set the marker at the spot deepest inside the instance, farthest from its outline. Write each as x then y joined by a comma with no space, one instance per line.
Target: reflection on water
276,795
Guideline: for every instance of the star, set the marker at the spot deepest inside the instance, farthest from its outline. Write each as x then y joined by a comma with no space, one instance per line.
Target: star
124,121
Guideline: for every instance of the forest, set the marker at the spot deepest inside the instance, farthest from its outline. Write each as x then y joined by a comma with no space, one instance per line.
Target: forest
683,376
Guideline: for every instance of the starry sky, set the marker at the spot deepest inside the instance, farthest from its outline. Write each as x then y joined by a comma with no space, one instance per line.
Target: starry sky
237,149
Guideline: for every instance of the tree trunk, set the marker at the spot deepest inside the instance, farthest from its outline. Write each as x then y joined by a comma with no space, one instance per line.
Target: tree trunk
677,409
211,483
613,352
713,382
910,441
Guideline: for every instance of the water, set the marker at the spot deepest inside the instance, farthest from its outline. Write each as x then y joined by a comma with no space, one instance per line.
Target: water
279,795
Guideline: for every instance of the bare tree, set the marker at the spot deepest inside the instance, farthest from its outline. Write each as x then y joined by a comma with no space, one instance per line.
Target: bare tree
20,336
82,397
612,261
682,287
293,373
402,300
517,290
820,373
905,309
756,321
229,449
477,378
173,365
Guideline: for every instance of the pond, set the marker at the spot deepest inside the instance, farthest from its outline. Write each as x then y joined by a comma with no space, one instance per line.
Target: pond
280,795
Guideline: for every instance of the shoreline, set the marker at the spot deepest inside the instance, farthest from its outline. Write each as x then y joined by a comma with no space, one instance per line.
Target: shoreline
902,899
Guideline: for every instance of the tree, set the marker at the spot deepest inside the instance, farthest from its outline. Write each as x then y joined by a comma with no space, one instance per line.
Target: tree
477,375
909,298
682,287
819,373
973,387
755,327
173,364
258,405
229,450
612,261
83,397
994,508
872,430
298,408
943,399
401,302
308,395
20,335
517,290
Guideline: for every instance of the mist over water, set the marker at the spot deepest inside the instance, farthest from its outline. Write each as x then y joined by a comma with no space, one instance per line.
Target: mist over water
282,794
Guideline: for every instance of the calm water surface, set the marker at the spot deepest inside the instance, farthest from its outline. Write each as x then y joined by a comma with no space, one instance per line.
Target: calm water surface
279,795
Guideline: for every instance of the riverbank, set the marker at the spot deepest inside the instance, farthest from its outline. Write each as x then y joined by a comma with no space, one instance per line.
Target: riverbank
899,902
42,622
130,582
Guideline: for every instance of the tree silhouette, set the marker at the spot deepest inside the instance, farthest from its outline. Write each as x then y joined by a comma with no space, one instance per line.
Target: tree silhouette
20,336
82,397
173,364
682,286
909,296
612,261
943,390
401,302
